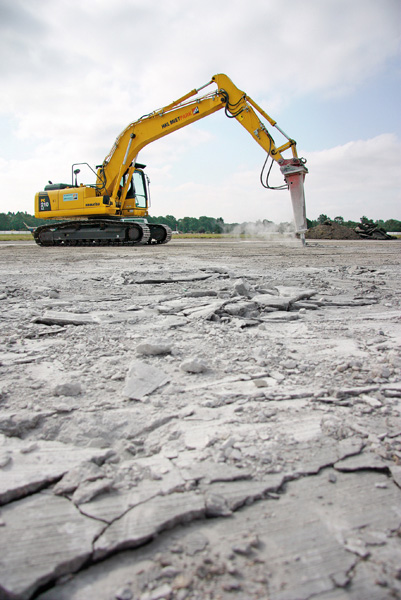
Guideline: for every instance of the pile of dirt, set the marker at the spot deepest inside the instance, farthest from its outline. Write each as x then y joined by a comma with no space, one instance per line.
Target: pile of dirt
329,230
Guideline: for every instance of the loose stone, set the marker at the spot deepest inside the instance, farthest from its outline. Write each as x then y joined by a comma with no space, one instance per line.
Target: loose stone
216,506
242,288
68,389
194,365
164,592
148,349
124,593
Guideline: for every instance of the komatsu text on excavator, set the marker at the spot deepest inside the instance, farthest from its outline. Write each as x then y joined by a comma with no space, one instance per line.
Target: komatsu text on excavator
113,209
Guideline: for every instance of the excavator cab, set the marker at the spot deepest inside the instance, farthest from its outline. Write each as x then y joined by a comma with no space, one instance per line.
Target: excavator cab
139,189
137,195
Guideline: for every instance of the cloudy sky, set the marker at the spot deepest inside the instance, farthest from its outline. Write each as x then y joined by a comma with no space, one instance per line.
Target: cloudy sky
75,73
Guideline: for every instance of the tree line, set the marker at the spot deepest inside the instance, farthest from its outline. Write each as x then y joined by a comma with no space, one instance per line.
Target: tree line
389,225
18,221
193,224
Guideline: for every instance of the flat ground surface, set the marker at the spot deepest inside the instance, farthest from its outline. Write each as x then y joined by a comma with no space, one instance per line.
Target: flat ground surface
203,420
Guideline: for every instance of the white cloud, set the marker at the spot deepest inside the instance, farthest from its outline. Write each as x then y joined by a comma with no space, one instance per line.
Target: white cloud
87,52
356,179
359,178
75,73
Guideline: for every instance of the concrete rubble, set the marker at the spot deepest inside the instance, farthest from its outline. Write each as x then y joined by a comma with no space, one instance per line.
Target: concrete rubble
208,420
372,231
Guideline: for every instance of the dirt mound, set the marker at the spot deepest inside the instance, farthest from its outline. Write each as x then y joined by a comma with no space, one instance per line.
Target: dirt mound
331,231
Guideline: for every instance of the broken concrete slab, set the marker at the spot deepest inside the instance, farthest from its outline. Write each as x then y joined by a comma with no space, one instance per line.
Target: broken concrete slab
239,307
169,279
286,552
362,462
326,453
296,294
111,506
210,471
312,570
145,521
109,424
87,490
200,293
48,537
52,317
143,379
241,493
86,471
280,317
277,302
20,423
28,472
205,312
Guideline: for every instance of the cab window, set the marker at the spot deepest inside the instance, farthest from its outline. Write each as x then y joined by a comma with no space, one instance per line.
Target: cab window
139,189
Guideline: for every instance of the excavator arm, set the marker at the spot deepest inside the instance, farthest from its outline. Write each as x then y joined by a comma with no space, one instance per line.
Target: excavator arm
186,110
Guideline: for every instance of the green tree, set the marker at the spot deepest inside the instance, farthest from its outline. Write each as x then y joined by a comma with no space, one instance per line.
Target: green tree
211,225
322,218
171,221
392,225
17,221
365,221
5,222
351,224
188,225
339,220
219,226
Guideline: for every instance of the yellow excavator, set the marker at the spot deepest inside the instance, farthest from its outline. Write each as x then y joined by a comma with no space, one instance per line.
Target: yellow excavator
113,210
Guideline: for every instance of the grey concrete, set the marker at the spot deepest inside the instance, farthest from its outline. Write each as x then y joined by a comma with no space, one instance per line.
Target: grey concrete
163,439
33,466
43,537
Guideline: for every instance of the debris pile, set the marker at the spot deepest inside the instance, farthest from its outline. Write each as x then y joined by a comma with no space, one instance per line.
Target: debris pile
370,231
330,230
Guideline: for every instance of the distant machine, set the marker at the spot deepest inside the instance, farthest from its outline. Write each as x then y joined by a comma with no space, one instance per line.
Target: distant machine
113,210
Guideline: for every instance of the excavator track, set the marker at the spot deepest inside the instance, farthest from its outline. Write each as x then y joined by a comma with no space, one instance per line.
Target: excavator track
94,232
159,234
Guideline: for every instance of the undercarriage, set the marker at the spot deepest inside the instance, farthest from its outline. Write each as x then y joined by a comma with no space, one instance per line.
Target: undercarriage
101,232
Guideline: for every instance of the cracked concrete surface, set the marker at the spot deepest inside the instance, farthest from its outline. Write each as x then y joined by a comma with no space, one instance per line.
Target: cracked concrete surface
205,420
